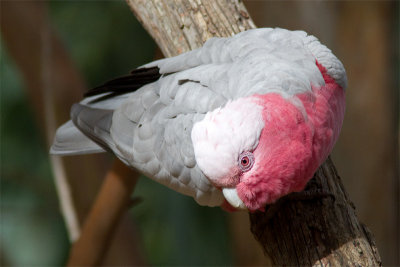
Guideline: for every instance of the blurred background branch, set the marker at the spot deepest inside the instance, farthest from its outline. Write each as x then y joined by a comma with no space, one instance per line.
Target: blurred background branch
111,203
53,84
45,65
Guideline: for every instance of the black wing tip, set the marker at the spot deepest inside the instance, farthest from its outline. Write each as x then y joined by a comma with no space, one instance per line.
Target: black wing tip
125,84
142,70
95,91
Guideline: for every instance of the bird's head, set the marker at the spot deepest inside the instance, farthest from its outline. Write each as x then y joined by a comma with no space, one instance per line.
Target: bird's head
255,149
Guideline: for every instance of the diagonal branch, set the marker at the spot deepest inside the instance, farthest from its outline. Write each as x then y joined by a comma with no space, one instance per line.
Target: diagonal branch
321,230
183,25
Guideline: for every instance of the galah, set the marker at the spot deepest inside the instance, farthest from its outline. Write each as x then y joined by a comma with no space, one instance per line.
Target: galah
240,122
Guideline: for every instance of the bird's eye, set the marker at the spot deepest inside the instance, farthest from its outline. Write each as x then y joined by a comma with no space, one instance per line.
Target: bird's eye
246,161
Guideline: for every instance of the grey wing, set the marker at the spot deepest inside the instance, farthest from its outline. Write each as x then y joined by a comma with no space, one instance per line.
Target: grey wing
150,129
70,139
152,132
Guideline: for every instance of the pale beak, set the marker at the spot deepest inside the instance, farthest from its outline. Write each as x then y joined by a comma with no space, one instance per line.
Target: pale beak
232,197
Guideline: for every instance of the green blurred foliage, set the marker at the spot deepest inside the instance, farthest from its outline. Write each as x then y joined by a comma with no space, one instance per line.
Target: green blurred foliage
177,231
103,37
31,223
104,40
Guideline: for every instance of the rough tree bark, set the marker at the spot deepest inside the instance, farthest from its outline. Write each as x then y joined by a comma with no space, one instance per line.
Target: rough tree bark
309,231
321,231
183,25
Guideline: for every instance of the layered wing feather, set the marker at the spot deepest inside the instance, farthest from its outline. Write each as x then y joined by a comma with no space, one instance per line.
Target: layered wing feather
152,132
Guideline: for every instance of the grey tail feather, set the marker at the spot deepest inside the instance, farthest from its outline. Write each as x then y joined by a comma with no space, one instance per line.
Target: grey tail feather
70,141
95,123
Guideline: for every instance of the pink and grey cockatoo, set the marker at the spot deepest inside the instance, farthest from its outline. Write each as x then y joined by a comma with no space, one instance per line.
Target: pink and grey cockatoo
243,120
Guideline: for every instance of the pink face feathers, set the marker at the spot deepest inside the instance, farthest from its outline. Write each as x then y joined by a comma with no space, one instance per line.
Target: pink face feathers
260,148
283,157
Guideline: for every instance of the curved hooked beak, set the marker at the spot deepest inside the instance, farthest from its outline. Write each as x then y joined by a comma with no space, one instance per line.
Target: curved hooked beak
232,197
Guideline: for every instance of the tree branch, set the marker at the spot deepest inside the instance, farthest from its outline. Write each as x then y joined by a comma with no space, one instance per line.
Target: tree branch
183,25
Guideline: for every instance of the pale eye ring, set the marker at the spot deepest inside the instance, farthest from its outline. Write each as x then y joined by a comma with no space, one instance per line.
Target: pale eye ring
246,161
